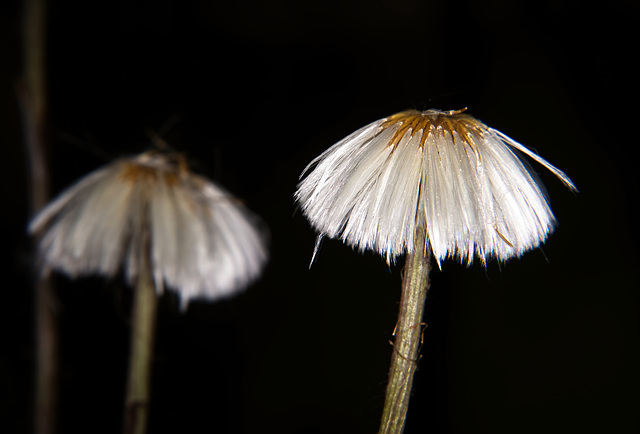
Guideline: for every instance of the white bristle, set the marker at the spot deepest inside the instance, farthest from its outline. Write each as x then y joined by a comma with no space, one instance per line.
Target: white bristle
203,243
443,170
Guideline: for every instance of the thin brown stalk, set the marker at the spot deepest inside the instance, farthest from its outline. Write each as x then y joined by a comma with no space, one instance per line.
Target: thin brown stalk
32,97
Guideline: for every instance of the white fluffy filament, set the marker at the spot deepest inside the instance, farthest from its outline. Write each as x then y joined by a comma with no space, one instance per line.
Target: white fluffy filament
203,242
446,169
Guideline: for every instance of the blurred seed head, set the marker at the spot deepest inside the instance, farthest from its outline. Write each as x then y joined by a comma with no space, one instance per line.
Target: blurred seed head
201,241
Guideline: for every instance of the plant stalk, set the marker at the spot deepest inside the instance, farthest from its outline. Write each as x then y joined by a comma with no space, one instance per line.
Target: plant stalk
408,336
32,97
46,369
142,339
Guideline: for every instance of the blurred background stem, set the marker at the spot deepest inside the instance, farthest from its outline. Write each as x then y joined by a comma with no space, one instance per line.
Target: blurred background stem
408,336
32,98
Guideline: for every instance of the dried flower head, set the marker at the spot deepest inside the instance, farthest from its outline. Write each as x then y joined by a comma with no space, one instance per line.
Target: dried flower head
444,170
201,241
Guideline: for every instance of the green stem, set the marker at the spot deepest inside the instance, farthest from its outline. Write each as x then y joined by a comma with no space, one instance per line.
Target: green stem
408,336
142,338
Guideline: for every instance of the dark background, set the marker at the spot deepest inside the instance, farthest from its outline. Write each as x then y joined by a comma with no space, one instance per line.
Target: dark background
251,92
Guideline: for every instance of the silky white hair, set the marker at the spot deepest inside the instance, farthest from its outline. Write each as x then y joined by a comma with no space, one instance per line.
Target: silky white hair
445,171
201,241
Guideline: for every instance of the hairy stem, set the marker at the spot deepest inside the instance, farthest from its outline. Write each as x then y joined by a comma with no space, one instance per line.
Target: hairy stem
408,336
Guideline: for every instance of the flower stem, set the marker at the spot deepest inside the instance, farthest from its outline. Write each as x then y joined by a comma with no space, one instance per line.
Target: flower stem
408,336
142,338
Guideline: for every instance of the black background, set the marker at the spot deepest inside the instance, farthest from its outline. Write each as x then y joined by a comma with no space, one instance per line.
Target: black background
251,92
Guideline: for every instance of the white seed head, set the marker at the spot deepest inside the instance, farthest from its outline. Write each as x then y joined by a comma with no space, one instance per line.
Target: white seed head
445,171
201,241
